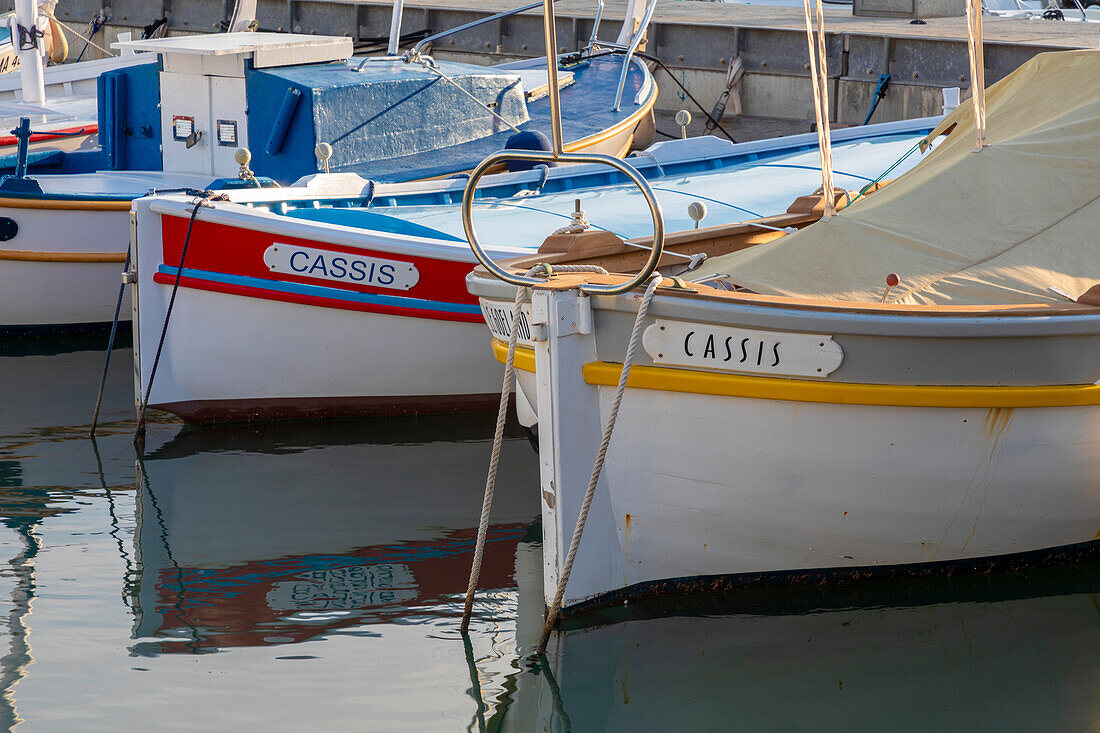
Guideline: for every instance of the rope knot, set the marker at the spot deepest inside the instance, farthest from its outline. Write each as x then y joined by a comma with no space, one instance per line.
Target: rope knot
28,37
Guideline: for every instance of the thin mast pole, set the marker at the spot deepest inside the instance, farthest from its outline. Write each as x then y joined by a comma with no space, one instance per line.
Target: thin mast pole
551,38
395,27
27,47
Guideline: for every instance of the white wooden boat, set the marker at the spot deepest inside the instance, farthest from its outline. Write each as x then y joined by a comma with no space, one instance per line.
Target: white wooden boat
280,96
59,100
280,324
790,421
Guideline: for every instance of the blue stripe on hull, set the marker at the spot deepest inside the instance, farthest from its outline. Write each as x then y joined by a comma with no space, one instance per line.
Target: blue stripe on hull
319,291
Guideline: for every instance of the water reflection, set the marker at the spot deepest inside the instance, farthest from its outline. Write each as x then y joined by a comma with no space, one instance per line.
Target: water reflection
258,536
14,664
331,558
1018,651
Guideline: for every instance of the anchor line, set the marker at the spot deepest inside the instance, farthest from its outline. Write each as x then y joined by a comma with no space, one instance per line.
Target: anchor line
661,65
597,469
139,433
87,41
459,87
110,348
498,435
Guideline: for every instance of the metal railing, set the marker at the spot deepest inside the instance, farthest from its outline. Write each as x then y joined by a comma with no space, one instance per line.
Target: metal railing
592,40
415,51
558,155
413,54
637,39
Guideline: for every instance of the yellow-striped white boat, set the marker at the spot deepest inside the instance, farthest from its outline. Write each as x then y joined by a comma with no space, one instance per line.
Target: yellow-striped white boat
792,418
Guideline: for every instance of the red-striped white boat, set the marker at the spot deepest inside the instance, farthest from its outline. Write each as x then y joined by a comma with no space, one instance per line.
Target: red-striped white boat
343,297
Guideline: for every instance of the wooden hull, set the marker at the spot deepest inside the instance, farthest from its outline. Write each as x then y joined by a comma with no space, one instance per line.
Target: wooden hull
983,452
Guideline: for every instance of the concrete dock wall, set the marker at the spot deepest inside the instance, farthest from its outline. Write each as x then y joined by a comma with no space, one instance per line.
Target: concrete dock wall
695,39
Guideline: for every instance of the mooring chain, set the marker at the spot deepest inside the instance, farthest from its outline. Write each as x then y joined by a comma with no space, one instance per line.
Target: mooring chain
498,435
605,441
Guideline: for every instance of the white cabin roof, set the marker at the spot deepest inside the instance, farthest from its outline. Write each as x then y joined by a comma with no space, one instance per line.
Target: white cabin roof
266,49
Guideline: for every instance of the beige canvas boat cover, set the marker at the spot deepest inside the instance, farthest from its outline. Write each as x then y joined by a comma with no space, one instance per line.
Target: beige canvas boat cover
995,227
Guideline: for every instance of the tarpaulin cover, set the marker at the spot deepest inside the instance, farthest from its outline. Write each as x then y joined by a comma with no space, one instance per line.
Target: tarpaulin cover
387,110
999,226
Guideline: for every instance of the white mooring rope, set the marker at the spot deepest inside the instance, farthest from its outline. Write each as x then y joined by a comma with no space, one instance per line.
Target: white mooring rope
820,80
78,34
460,88
498,435
609,427
977,68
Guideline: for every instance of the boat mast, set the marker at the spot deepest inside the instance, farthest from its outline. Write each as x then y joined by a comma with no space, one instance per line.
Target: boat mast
26,38
551,37
395,27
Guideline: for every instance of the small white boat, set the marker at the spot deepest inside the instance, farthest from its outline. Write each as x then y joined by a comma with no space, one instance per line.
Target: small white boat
796,415
60,100
284,98
347,304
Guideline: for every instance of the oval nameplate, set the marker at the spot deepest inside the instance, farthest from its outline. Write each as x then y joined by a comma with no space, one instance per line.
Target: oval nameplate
678,343
498,316
342,267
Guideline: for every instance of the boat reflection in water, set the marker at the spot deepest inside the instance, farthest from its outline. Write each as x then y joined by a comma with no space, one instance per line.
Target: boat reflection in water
1015,651
249,537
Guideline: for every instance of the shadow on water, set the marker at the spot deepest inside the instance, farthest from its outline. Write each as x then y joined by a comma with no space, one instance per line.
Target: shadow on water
294,436
1008,651
52,344
259,535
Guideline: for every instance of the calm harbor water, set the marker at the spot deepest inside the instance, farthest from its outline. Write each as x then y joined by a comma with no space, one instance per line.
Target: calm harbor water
309,576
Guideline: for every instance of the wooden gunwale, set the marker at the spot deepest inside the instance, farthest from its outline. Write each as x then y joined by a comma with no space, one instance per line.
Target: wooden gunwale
15,255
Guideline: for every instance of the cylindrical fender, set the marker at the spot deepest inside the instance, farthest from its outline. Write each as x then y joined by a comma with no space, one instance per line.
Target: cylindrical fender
59,46
281,127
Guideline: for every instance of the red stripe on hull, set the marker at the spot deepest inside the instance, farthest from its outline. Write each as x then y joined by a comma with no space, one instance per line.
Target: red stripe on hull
311,300
6,140
237,251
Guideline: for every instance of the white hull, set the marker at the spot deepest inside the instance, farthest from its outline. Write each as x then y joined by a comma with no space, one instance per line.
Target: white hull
709,487
259,354
329,361
801,486
43,281
242,343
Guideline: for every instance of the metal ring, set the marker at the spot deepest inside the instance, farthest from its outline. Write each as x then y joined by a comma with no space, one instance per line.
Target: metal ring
538,156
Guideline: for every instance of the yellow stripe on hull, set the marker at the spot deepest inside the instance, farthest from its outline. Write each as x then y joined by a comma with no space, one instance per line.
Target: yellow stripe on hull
524,360
604,373
65,204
